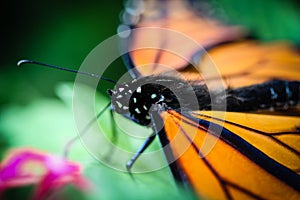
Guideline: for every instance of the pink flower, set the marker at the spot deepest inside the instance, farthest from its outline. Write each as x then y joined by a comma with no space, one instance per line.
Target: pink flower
48,172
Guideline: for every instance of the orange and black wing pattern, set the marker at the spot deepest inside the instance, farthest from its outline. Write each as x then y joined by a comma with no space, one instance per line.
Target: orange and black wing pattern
177,16
252,158
226,155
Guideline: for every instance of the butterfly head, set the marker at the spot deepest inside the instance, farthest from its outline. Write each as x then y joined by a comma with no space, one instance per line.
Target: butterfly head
136,99
120,98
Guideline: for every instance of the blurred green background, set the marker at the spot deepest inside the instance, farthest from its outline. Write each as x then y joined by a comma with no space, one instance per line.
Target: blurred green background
35,105
56,32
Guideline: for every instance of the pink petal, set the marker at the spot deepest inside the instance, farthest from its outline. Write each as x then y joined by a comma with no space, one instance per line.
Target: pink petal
28,166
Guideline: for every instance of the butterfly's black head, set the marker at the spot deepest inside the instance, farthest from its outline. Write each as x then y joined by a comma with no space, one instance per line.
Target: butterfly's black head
120,98
137,97
132,98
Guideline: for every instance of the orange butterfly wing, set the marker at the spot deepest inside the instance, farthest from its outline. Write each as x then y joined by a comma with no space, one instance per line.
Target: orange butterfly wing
225,172
250,62
276,136
174,15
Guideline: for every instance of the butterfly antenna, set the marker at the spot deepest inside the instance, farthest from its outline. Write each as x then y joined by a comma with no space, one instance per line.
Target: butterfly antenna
21,62
83,132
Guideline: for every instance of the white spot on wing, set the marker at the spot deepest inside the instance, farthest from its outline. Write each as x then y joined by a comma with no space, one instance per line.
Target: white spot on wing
139,90
134,100
147,117
145,107
125,107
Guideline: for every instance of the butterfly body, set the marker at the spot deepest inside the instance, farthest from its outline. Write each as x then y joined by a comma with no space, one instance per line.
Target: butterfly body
137,97
277,94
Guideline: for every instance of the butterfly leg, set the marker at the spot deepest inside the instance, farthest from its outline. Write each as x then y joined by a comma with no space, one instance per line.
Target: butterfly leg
150,139
83,131
142,148
114,136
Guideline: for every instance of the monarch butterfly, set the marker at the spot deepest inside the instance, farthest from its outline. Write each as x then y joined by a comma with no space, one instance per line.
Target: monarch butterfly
262,147
256,155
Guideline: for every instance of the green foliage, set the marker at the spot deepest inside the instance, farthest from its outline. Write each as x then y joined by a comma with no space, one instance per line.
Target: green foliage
17,193
116,185
267,20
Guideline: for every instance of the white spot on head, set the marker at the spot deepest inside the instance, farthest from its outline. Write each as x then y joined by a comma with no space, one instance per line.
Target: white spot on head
119,96
153,96
121,89
130,91
113,91
134,100
139,90
162,98
119,104
145,107
125,107
137,111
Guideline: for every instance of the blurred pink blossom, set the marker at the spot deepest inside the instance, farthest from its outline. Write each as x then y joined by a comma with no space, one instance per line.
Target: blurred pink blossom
48,172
